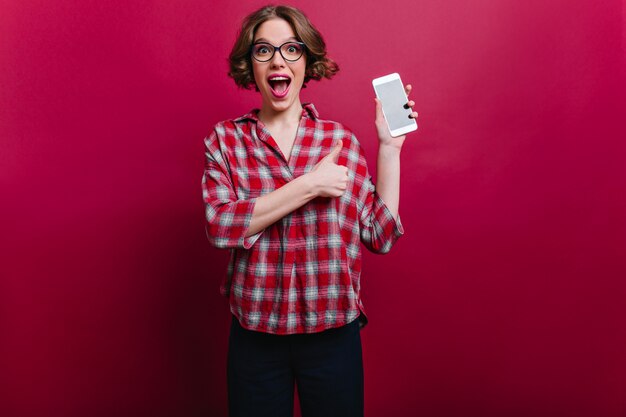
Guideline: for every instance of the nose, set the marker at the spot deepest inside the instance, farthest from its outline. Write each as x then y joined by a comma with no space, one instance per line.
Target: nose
277,60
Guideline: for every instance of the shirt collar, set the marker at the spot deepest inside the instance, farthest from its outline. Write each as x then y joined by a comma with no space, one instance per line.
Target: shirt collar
308,110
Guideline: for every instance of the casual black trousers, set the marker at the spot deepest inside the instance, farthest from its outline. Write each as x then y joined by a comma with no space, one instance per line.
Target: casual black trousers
327,368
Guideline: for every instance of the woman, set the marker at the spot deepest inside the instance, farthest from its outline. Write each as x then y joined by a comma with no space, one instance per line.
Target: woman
290,195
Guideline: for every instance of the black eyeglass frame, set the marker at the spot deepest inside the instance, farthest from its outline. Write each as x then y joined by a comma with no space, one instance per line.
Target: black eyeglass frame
277,48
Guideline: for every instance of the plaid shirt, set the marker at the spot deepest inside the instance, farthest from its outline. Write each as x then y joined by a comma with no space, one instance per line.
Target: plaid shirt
302,273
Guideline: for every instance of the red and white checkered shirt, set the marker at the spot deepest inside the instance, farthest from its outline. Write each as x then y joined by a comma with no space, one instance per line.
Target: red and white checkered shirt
302,273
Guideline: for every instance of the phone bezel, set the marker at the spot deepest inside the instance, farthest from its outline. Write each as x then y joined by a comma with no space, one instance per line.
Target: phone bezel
386,79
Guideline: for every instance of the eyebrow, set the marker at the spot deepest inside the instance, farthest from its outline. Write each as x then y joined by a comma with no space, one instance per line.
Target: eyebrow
293,38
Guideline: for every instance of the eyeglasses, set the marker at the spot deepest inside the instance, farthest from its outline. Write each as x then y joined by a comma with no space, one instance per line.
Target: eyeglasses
290,51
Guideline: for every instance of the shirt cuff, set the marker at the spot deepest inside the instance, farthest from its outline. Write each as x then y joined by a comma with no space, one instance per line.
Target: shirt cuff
385,229
392,226
247,242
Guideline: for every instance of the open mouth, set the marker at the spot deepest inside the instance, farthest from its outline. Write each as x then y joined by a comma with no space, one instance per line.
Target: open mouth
279,84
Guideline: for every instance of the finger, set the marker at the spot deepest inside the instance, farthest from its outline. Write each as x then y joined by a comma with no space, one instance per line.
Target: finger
334,153
409,104
379,110
413,115
408,88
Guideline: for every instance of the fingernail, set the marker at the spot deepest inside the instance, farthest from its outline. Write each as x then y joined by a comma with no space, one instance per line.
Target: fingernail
406,106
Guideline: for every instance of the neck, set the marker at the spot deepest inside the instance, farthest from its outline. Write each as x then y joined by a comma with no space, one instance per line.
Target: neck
290,115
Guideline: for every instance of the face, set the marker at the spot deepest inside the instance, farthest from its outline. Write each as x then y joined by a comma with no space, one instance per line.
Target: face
279,81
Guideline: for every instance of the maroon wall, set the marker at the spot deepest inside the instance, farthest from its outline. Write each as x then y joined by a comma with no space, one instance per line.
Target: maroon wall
506,297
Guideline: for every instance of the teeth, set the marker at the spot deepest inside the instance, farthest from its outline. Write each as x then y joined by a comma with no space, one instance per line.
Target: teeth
279,79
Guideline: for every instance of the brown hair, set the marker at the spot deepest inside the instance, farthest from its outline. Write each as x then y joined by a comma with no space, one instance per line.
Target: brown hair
318,65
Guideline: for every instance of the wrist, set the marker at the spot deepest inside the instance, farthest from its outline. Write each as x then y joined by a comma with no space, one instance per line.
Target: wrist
308,184
389,151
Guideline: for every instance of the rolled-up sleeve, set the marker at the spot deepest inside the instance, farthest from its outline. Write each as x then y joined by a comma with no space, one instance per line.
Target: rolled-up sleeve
379,230
227,218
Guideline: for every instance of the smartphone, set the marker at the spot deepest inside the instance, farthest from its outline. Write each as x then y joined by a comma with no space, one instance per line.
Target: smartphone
390,91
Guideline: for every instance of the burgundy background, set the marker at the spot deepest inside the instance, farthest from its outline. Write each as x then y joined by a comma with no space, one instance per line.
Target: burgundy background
506,297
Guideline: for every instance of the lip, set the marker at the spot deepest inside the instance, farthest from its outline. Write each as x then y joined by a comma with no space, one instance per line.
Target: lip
275,93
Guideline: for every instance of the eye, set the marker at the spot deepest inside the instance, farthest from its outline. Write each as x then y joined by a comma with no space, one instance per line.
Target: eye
262,50
293,48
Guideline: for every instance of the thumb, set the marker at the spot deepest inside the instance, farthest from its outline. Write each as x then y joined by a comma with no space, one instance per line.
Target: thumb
380,117
334,154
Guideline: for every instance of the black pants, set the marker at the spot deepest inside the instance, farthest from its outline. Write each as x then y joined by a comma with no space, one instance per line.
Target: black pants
327,368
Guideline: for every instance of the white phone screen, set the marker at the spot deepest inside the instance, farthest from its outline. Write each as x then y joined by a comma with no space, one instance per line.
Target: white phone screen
393,98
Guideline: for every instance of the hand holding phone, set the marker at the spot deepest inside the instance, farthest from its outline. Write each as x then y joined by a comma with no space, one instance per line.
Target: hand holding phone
390,91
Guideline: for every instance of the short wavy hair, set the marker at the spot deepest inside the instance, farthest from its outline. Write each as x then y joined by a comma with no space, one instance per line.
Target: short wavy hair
318,65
